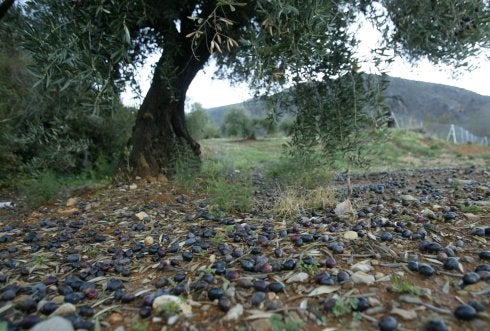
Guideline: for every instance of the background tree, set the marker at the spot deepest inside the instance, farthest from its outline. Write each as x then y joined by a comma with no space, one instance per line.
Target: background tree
52,132
199,124
95,45
237,123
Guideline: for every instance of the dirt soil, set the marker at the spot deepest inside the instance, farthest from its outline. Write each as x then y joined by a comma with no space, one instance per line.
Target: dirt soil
104,256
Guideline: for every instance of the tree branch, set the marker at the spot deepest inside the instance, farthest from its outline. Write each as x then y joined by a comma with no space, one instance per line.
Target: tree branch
4,7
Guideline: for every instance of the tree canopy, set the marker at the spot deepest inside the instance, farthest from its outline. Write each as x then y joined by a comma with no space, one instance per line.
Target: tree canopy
94,47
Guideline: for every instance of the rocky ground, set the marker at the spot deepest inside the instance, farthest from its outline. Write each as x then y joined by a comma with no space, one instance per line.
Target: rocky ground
147,256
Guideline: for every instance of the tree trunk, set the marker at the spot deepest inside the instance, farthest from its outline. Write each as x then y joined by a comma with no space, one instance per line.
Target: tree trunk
160,131
5,6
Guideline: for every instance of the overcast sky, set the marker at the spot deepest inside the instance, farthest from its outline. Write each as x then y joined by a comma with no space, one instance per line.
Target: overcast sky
213,93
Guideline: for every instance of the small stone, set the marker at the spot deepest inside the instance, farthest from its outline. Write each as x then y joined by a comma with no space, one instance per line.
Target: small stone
141,215
115,318
364,266
65,310
234,313
148,241
162,301
362,278
338,249
407,197
54,324
465,312
351,235
388,323
471,217
71,202
344,211
405,314
300,277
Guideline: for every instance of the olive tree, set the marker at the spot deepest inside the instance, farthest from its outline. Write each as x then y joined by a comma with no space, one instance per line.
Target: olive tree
97,44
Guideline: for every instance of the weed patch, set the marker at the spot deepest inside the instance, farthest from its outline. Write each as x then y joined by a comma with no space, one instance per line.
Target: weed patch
403,286
231,195
278,324
294,201
41,190
474,209
307,171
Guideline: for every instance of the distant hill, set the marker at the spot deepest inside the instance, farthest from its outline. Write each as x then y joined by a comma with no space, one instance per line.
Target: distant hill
428,102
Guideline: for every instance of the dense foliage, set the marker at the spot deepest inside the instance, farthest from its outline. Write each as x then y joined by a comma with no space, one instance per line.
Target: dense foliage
82,53
51,132
199,124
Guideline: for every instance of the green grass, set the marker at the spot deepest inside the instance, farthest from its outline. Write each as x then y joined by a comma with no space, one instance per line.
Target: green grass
228,164
278,324
344,306
403,286
474,209
246,156
139,326
311,268
42,190
404,149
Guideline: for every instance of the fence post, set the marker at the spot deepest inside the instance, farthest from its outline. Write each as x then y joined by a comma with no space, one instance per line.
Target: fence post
452,132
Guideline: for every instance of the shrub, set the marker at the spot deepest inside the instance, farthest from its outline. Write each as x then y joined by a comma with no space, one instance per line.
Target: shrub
231,195
237,123
304,170
199,124
41,190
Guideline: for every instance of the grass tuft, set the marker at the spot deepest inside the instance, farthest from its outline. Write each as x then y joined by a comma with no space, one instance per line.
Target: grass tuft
474,209
294,201
403,286
42,190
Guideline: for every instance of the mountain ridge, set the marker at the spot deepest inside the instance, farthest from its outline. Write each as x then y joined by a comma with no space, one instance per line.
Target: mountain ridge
428,102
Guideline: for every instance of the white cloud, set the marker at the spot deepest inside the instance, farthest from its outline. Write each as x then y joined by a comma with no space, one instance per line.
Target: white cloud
213,92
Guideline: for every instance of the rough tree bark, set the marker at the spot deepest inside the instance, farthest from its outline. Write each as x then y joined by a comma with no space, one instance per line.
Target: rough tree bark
160,131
